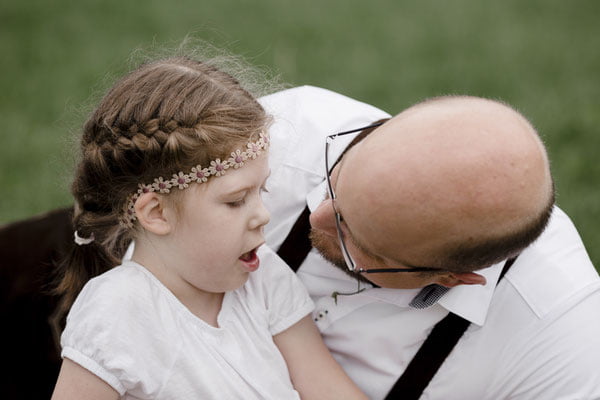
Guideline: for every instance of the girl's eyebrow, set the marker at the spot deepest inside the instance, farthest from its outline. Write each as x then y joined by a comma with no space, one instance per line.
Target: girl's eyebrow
245,188
237,191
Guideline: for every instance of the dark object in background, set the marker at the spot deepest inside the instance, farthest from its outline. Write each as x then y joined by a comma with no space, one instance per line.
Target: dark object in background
29,250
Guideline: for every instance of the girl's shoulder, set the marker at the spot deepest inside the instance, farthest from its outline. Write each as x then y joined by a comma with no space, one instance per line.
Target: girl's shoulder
127,283
123,303
126,292
117,318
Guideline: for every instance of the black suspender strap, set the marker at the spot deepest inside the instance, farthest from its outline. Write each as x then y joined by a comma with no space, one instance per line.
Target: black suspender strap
296,245
429,358
440,342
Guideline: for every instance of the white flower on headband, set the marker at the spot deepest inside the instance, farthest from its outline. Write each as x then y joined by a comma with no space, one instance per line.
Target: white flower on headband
128,217
131,207
181,180
199,174
237,159
218,167
253,150
161,185
144,189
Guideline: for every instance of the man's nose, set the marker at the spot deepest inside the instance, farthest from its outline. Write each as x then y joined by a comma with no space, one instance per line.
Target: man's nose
323,218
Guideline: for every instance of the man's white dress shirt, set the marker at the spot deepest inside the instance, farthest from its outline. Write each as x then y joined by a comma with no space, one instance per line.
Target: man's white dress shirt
535,336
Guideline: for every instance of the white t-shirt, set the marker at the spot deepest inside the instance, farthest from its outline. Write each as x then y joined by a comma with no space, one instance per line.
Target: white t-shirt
535,336
127,328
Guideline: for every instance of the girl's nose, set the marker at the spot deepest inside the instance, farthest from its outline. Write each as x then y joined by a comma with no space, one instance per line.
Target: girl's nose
261,217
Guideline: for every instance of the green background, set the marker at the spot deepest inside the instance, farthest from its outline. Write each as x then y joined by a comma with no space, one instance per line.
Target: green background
541,56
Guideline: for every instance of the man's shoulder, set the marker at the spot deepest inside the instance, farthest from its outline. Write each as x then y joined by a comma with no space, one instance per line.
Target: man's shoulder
555,271
303,116
311,95
312,109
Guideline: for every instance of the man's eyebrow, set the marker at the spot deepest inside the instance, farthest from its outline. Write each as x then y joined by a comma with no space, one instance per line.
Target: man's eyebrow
358,244
380,259
364,249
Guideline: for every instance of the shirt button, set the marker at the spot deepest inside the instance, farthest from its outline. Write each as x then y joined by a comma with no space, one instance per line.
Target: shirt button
320,315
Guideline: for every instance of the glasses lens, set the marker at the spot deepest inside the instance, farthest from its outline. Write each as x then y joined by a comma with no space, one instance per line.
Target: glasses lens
347,258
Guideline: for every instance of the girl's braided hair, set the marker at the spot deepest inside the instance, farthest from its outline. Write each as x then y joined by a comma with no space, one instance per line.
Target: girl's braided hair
166,116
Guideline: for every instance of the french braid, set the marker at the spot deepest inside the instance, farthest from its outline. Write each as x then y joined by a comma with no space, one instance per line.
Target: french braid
166,116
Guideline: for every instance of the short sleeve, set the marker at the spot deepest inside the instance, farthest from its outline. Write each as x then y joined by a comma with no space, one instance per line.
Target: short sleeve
286,299
109,333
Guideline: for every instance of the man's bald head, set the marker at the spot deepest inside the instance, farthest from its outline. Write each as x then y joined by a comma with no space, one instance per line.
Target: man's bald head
454,182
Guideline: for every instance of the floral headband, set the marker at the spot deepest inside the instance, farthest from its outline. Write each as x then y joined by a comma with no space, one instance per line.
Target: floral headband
198,174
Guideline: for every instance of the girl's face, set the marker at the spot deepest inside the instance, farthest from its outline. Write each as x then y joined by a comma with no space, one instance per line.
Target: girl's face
219,227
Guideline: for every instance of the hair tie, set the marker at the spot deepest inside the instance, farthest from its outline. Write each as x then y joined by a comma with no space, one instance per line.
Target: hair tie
83,241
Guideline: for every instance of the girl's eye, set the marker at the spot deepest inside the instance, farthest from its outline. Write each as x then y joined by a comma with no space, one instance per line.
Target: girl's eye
263,189
237,203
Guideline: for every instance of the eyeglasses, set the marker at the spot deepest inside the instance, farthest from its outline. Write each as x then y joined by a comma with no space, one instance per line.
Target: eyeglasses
350,263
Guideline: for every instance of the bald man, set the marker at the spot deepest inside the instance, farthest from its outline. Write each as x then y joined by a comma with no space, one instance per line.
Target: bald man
472,176
443,271
442,267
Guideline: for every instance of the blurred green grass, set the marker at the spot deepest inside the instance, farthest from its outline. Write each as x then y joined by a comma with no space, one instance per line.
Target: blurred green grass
541,56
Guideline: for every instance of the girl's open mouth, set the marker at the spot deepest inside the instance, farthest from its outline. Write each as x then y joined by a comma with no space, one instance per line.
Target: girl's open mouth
250,260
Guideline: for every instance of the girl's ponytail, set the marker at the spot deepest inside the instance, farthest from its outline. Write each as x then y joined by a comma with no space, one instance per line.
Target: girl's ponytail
92,252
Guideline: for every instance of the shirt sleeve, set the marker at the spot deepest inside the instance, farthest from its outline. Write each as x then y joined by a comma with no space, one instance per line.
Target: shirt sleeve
557,363
109,334
286,299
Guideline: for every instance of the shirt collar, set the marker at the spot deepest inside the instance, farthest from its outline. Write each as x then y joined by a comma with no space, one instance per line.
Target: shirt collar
472,302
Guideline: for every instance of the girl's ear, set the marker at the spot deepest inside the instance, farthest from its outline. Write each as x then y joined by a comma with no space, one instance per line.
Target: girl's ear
152,214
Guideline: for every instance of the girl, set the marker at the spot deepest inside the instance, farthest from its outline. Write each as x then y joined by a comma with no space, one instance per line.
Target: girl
174,157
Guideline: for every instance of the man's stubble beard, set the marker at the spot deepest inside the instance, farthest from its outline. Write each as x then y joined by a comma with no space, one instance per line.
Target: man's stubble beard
329,249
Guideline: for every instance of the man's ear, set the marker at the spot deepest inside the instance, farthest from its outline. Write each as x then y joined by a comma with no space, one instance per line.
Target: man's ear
465,278
152,214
